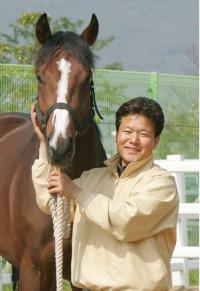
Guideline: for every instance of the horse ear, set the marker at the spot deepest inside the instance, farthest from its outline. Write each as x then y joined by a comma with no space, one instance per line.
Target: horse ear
43,31
90,33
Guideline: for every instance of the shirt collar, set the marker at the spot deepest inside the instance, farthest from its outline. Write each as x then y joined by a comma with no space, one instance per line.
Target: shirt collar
114,163
120,168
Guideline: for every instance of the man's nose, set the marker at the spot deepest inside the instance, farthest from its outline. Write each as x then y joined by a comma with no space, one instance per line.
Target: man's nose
134,137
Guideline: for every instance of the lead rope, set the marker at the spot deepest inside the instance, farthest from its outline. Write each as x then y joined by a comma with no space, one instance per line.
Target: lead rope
60,211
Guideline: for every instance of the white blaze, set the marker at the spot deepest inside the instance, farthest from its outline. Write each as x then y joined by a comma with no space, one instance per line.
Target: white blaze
61,116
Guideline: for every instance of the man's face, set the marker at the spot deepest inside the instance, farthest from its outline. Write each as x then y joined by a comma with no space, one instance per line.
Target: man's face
135,138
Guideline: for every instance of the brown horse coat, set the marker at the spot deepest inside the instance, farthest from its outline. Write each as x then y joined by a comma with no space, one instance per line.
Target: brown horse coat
26,234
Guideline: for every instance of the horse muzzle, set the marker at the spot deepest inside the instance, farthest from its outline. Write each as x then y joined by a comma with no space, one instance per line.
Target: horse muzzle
62,155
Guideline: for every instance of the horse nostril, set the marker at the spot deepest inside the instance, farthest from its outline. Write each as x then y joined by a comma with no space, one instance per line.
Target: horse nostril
64,146
63,151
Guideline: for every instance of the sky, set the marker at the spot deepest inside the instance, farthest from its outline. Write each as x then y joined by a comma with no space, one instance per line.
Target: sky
150,35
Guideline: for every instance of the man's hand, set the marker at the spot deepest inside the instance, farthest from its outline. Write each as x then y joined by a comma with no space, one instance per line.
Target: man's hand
61,184
35,125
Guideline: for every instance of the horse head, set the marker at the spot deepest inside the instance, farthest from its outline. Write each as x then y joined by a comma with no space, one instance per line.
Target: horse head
64,104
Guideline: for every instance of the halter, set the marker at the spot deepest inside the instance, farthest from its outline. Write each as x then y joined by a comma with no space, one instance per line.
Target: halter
43,117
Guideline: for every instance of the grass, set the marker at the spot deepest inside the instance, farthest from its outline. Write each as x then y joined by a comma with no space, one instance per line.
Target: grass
194,278
67,286
8,287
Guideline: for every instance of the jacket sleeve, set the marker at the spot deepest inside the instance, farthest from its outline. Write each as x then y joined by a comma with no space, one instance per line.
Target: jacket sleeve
146,212
40,173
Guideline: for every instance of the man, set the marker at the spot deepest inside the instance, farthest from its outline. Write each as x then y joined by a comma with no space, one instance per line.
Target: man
124,229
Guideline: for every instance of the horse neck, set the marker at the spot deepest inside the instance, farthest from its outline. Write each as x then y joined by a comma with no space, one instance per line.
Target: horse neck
89,152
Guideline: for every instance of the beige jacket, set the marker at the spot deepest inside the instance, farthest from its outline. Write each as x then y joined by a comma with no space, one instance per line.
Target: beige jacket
124,229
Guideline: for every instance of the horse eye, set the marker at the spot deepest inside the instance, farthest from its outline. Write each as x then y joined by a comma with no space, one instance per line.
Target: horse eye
87,81
39,78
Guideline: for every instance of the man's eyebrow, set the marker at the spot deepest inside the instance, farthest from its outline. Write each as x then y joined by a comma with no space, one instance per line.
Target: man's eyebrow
142,129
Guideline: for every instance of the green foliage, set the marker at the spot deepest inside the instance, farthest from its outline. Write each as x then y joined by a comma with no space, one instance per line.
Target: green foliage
109,96
114,66
98,45
194,278
7,287
180,135
16,82
67,286
180,105
21,46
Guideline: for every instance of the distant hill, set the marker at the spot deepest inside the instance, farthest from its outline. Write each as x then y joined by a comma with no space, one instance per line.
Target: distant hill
150,35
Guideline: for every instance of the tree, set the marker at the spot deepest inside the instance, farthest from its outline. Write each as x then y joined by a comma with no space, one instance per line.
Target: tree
20,45
114,66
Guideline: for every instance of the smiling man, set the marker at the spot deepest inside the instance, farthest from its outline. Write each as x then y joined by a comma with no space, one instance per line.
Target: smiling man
124,230
136,138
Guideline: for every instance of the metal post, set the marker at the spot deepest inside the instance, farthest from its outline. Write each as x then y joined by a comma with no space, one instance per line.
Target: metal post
153,89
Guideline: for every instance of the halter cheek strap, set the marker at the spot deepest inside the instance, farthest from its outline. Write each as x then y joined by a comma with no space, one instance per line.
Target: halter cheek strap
43,117
94,103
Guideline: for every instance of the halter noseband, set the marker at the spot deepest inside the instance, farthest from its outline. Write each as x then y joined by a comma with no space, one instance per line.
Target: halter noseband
43,117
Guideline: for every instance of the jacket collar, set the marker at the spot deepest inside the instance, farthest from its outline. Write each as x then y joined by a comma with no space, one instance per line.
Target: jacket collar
131,168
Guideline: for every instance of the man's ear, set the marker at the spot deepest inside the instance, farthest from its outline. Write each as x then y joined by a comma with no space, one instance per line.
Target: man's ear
157,140
116,135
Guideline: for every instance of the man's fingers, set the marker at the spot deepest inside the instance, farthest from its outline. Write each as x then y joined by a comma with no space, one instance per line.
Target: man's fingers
53,179
33,116
53,184
54,175
55,190
35,124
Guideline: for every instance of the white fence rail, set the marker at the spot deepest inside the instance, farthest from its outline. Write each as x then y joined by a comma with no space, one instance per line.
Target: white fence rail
185,257
176,164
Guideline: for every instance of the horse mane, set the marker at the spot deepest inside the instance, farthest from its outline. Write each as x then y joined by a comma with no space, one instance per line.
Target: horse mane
97,129
69,42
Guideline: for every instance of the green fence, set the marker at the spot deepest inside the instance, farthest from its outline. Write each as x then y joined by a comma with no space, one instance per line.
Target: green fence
178,96
17,88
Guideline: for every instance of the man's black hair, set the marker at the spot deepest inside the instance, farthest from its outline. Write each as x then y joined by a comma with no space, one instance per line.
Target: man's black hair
144,106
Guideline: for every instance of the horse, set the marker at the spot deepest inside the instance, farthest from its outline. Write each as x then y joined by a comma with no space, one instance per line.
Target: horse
65,109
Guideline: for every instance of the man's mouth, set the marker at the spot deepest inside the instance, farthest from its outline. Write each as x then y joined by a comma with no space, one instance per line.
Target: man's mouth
132,149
